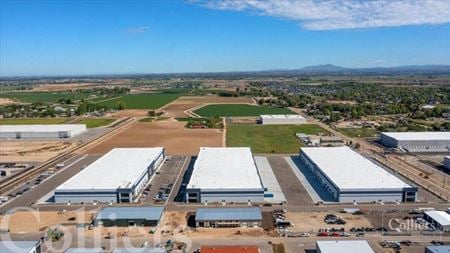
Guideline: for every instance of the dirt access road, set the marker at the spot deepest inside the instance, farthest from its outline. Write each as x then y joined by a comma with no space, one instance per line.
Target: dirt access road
179,107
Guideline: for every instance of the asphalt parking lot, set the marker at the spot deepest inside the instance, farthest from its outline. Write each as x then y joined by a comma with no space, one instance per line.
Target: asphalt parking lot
47,183
293,190
164,181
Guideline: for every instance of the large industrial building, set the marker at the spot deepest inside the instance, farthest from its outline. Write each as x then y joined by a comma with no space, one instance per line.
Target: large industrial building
417,141
344,246
228,217
117,177
284,119
225,175
350,177
439,219
60,131
138,216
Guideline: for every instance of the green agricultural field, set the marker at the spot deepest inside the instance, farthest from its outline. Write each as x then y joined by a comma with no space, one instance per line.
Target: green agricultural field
33,121
239,110
43,97
94,122
269,138
359,132
141,101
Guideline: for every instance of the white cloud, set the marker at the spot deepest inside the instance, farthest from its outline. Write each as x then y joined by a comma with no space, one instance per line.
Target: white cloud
137,29
343,14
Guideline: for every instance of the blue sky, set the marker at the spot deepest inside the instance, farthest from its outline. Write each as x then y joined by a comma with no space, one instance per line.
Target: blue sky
115,37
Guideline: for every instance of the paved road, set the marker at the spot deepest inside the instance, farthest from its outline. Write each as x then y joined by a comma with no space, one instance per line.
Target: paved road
292,245
50,183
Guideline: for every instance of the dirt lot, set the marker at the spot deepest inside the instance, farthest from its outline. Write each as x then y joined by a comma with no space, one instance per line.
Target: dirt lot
39,221
176,223
75,86
6,101
130,113
64,87
177,108
171,135
313,221
31,151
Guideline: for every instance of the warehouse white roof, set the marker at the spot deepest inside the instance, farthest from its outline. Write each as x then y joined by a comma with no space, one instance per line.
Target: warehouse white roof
282,116
41,128
440,217
119,168
225,168
350,170
360,246
418,136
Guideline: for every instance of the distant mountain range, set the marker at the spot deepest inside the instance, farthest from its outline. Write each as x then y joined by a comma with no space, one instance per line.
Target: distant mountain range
338,70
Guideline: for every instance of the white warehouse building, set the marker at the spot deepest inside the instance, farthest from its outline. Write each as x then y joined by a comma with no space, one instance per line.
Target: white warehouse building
117,177
417,141
225,175
59,131
350,177
283,119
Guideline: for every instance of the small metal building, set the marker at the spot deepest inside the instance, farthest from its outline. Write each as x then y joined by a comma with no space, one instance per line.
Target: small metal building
129,216
447,163
437,249
439,219
59,131
333,246
20,246
284,119
228,217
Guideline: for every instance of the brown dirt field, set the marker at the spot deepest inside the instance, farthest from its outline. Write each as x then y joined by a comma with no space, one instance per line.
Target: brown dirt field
64,87
313,221
31,151
75,86
130,113
37,221
171,135
6,101
177,107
